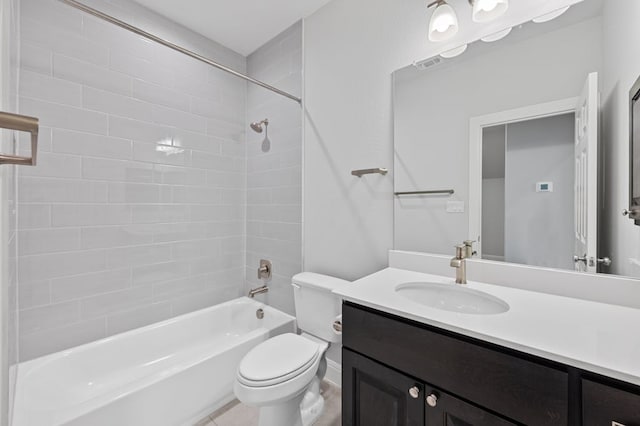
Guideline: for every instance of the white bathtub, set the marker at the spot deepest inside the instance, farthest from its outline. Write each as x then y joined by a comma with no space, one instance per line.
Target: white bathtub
171,373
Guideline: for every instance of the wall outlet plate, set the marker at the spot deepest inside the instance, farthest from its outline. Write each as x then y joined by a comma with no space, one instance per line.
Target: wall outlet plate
455,206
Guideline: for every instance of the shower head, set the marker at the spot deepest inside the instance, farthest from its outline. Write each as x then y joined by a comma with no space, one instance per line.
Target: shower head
257,126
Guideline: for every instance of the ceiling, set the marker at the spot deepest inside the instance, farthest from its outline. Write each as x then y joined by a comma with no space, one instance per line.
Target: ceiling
241,25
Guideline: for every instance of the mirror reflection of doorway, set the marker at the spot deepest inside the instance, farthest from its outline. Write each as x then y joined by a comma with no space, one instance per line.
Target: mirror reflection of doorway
528,192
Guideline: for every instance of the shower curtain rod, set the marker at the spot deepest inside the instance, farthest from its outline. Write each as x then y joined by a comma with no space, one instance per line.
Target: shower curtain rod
175,47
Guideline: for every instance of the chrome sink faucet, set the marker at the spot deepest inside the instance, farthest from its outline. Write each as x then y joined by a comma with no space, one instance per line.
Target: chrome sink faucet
459,263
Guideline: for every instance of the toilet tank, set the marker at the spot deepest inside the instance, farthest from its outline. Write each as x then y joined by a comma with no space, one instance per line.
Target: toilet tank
316,306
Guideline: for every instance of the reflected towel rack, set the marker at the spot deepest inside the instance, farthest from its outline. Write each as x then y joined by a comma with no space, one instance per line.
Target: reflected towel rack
362,172
21,123
434,192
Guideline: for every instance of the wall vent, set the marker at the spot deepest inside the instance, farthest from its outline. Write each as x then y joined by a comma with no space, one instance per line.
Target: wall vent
427,63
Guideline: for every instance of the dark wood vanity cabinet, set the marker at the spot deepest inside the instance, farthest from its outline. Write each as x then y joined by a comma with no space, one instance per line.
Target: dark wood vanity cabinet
604,405
450,411
381,396
399,372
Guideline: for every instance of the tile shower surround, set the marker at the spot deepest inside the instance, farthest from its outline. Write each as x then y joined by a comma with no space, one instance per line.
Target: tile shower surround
9,303
274,178
136,211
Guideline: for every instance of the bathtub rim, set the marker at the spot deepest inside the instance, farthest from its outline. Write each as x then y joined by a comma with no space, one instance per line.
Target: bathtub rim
159,324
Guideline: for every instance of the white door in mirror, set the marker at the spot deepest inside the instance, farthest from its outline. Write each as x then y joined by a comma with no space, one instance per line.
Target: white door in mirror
586,177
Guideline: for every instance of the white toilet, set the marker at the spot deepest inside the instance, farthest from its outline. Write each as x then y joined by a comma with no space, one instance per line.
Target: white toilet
282,375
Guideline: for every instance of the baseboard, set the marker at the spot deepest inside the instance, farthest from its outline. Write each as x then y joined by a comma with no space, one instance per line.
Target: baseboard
212,410
334,373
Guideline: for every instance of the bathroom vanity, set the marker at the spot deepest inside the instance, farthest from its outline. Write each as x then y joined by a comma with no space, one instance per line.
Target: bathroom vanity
401,372
547,360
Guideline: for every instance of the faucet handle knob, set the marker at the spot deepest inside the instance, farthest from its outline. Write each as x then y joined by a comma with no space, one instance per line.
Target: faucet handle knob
265,269
468,246
460,249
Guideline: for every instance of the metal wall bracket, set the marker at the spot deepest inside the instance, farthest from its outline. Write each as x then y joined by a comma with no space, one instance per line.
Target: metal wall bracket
434,192
20,123
378,170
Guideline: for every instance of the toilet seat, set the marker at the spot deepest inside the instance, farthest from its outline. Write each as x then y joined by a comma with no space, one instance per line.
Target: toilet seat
278,360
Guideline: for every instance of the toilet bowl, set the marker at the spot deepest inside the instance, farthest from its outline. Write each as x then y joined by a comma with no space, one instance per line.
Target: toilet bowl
277,374
282,375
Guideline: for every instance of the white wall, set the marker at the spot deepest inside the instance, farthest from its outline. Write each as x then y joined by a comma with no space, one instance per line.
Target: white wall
274,177
621,242
433,109
538,226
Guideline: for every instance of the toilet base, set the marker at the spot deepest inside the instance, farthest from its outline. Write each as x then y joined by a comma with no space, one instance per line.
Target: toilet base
303,410
287,413
312,404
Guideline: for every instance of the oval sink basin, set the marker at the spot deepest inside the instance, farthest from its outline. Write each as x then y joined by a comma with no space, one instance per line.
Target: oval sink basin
452,297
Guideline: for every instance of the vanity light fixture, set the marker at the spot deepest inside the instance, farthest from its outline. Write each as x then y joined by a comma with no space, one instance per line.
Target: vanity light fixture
551,15
444,21
452,53
497,36
488,10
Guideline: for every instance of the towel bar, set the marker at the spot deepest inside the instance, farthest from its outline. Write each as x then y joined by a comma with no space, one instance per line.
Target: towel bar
438,191
362,172
20,123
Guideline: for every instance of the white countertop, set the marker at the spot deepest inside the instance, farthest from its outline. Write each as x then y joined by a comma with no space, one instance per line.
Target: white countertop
596,337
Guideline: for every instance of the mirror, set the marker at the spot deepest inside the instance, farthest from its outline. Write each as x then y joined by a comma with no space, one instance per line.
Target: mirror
522,145
634,153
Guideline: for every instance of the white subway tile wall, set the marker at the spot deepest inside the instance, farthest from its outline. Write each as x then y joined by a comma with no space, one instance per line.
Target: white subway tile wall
274,178
136,210
8,255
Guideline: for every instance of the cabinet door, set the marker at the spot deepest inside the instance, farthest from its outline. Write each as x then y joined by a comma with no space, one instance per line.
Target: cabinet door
607,406
446,410
374,395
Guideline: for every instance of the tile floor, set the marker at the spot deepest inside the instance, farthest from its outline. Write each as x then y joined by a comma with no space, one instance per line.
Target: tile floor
237,414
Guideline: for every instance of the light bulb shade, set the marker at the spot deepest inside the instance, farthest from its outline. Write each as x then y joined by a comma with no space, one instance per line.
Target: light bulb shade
549,16
488,10
496,36
443,24
452,53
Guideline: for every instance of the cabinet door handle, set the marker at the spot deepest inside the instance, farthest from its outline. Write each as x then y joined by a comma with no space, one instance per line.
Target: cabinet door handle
414,392
432,400
605,261
582,259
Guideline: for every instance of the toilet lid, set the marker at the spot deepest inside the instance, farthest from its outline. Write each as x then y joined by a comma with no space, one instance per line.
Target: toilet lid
280,357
